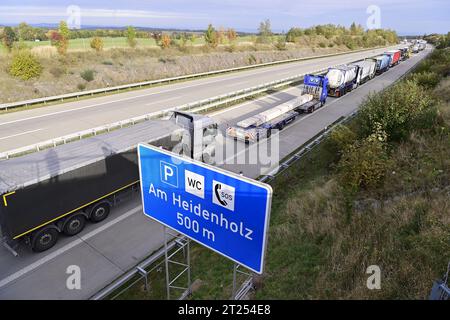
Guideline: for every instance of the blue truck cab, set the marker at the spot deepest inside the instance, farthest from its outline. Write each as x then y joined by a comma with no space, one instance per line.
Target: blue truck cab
316,85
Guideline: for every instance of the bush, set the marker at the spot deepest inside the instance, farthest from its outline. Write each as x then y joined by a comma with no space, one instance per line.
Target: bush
252,59
97,44
87,75
81,86
341,138
395,111
428,80
281,44
25,66
363,165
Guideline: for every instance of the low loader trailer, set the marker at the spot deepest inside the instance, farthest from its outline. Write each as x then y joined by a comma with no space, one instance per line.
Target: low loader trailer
260,126
57,190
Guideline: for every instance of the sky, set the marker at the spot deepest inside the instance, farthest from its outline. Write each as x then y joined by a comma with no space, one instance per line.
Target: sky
407,17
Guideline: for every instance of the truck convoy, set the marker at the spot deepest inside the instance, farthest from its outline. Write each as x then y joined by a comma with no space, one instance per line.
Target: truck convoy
259,126
57,190
341,79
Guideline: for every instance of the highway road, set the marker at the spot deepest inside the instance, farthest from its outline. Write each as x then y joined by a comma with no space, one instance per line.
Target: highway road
23,128
107,250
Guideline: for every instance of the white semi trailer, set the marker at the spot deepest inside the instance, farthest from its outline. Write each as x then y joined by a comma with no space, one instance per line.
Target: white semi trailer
366,70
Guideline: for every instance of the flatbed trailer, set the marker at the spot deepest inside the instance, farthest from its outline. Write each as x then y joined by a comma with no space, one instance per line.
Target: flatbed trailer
57,190
260,126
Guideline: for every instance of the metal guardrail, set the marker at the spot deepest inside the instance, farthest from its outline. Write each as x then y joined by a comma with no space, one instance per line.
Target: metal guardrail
12,105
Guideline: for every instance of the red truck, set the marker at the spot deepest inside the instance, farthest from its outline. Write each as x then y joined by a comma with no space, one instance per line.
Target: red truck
395,56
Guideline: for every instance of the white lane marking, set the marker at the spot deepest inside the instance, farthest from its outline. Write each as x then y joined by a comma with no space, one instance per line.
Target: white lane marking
67,247
136,97
20,134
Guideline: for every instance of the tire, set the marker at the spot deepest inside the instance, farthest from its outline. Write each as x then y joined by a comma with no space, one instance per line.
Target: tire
100,212
74,225
44,239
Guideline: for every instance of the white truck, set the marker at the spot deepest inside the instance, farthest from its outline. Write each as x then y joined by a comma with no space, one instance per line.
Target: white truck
366,70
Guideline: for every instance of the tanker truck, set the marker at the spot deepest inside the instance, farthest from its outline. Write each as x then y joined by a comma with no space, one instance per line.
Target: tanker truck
341,79
57,190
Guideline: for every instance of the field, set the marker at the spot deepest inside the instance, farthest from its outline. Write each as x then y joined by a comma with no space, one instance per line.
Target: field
115,42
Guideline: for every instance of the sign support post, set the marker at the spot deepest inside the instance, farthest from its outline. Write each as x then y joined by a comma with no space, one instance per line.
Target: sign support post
184,246
236,294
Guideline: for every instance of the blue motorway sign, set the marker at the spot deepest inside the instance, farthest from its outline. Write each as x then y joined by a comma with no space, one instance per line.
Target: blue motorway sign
221,210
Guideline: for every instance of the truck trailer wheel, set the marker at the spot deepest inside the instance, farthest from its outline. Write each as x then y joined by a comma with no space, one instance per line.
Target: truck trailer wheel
74,225
44,239
100,212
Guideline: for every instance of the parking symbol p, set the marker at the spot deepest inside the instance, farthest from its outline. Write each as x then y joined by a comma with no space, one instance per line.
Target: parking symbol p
169,174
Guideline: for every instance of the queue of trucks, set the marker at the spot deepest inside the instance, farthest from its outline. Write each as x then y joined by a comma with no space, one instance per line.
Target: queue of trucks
58,190
335,83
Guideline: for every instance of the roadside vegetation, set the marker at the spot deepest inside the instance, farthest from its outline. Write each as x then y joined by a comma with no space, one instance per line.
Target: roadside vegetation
131,55
376,192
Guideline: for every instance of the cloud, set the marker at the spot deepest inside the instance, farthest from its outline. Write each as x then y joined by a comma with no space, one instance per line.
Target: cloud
34,11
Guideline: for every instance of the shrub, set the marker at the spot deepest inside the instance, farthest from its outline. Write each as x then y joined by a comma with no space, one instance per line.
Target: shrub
428,80
87,75
322,45
341,138
363,165
97,44
281,44
108,63
165,41
81,86
25,66
251,59
130,34
395,111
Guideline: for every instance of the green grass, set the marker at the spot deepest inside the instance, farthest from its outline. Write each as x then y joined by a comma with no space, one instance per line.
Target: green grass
119,42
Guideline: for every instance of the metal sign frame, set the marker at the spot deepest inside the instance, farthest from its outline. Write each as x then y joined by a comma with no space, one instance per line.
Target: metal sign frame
225,173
